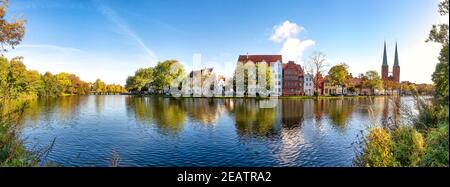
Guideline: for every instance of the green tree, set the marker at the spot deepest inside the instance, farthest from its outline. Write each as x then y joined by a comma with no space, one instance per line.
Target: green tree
35,82
165,73
439,34
51,86
17,77
142,79
339,75
129,85
99,87
373,81
64,81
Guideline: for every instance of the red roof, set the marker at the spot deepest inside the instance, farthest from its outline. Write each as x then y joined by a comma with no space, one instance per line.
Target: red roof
260,58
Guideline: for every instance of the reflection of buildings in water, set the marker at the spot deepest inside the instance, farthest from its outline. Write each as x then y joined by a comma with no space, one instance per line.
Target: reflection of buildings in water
291,113
292,141
391,112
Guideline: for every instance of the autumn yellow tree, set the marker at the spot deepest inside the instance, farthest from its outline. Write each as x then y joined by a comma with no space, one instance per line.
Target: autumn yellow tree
11,33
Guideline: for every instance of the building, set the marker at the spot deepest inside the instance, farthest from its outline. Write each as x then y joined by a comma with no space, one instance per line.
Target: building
275,64
308,84
385,74
292,76
196,82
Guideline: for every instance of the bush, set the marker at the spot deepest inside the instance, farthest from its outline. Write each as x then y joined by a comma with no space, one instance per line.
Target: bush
408,146
377,150
437,153
430,114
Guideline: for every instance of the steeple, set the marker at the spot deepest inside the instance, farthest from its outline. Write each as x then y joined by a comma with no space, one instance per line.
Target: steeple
385,55
396,56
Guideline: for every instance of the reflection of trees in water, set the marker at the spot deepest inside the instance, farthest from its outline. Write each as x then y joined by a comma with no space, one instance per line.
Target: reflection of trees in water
61,108
339,111
252,120
167,114
99,103
204,110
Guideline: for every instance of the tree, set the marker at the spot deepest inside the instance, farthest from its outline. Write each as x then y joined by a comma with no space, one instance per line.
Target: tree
142,79
51,86
373,81
129,85
11,33
64,81
165,73
316,66
361,84
388,85
439,34
99,87
405,88
35,82
339,75
17,76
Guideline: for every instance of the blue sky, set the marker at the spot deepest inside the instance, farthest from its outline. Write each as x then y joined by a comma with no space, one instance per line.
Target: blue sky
110,39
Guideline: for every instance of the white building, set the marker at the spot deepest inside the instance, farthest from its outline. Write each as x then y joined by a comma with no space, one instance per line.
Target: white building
308,85
276,67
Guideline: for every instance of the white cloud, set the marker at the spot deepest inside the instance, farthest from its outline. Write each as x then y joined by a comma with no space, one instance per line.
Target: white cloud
285,31
293,47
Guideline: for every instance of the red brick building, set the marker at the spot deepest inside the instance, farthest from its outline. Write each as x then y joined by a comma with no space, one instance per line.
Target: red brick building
292,79
385,74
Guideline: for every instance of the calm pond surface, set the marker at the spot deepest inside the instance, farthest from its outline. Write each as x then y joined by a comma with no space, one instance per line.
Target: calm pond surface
157,131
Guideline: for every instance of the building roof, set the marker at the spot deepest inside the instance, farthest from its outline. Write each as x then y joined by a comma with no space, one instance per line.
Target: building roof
354,81
385,63
260,58
396,56
206,70
293,64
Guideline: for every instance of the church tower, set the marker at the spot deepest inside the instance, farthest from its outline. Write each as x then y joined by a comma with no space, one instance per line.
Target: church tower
396,69
385,66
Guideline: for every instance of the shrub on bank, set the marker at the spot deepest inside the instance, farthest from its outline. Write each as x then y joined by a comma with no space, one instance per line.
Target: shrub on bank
437,152
377,151
408,146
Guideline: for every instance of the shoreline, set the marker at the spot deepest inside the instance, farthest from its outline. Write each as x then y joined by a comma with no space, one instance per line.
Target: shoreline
262,98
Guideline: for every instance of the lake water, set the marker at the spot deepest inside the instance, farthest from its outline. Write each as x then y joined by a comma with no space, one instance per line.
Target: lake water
157,131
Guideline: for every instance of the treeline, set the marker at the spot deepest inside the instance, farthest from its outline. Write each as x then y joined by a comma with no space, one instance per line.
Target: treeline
18,82
155,79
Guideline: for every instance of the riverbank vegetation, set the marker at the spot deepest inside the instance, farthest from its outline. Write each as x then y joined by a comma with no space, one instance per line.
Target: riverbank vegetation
424,141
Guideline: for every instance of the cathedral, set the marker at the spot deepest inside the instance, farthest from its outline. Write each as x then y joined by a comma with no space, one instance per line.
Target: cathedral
393,76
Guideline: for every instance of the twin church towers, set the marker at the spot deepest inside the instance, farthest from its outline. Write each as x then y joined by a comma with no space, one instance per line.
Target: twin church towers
393,76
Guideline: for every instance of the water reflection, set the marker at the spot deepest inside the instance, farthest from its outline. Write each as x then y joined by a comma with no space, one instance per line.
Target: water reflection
183,131
169,114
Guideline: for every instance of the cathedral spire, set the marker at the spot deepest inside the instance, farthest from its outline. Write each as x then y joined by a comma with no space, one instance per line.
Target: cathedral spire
385,55
396,56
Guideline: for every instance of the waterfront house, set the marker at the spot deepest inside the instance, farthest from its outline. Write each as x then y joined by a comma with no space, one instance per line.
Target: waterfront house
197,81
308,87
275,64
293,78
